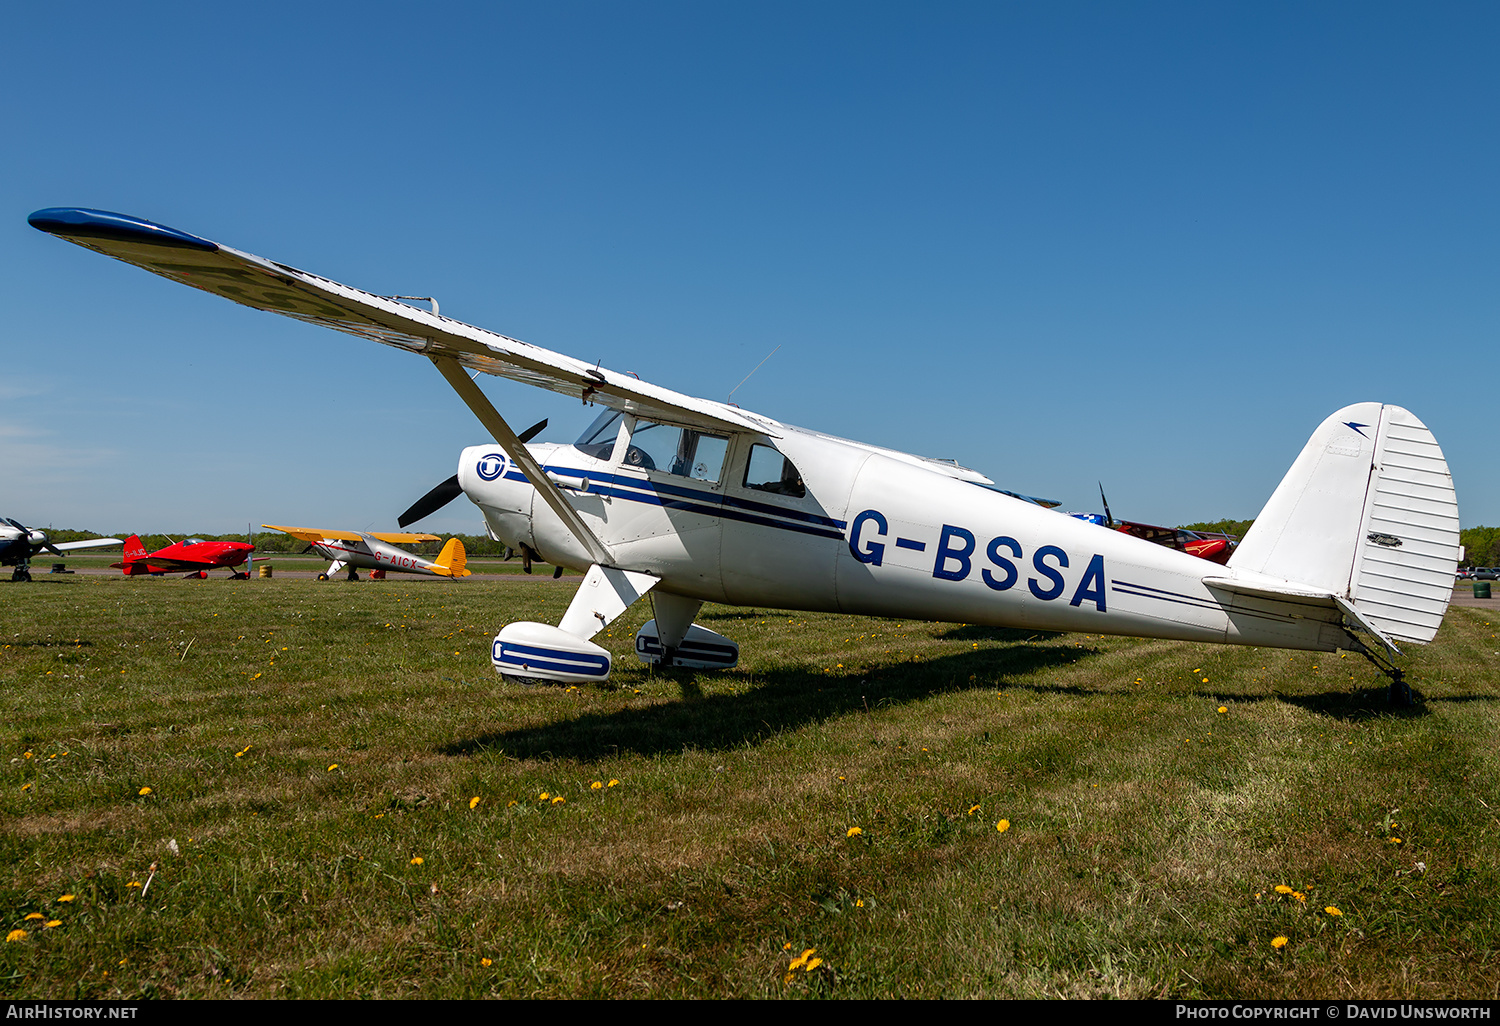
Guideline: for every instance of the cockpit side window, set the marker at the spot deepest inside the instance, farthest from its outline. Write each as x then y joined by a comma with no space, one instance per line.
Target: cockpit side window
768,470
599,440
684,452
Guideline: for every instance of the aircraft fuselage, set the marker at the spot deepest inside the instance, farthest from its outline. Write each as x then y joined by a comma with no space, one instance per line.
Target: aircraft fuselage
873,535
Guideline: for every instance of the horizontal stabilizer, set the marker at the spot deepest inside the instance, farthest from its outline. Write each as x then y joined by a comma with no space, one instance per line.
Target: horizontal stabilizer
1307,598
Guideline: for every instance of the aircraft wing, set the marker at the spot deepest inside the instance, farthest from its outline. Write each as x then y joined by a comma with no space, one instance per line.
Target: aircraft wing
279,288
312,534
92,543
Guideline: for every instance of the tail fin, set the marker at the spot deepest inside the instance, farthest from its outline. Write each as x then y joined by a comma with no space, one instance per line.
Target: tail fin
452,559
1367,513
134,552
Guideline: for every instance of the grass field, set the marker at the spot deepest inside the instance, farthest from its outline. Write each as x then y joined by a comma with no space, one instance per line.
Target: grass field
284,788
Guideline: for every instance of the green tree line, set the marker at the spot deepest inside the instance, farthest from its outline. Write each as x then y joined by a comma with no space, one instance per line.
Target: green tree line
1481,544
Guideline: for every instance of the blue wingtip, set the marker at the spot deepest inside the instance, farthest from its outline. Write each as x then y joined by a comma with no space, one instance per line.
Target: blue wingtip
80,223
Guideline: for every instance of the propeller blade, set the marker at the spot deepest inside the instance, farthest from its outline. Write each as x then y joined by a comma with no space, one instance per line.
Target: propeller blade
1109,521
450,490
43,543
432,501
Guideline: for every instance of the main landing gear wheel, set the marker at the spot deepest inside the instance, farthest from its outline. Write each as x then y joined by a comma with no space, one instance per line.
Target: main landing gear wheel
20,576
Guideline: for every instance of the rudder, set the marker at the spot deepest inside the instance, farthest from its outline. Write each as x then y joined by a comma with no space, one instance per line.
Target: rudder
453,559
1368,513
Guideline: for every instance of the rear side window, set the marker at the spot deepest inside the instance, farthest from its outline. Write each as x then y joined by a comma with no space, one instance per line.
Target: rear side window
769,471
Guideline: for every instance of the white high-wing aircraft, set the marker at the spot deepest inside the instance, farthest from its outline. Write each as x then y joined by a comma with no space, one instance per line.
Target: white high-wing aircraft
691,500
376,550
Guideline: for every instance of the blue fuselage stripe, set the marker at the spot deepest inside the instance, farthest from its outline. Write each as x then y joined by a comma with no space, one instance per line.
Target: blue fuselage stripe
692,500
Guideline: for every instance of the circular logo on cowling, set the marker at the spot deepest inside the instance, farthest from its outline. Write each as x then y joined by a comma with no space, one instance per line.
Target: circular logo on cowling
492,465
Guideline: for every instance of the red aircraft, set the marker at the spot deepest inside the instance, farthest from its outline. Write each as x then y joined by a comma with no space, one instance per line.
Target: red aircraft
1216,548
193,555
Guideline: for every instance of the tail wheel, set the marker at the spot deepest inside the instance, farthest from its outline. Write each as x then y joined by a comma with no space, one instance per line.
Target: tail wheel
322,577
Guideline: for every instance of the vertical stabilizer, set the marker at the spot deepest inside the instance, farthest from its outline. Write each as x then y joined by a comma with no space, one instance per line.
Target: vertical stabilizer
452,559
1366,513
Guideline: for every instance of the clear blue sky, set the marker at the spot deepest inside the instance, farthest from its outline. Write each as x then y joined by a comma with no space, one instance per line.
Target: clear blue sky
1152,245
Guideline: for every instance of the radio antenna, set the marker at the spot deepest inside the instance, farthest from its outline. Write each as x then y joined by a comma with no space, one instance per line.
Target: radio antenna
747,377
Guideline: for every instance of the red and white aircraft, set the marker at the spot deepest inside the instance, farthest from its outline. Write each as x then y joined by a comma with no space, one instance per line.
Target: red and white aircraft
192,557
692,500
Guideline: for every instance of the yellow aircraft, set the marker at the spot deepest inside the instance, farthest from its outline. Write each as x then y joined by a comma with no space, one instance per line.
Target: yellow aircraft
377,552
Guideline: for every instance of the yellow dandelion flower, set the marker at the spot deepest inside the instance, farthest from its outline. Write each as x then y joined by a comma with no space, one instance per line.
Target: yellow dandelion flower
484,962
859,902
787,946
16,935
558,799
1333,911
613,783
818,961
1395,840
543,796
597,785
1283,889
416,860
144,791
973,809
854,832
133,883
801,960
1300,896
49,924
1278,942
1223,708
65,897
473,801
26,787
332,766
31,916
1003,825
27,755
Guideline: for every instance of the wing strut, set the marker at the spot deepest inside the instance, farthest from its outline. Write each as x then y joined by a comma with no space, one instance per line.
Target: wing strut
521,456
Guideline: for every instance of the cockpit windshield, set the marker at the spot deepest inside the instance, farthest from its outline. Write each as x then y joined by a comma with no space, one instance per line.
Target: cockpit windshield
599,440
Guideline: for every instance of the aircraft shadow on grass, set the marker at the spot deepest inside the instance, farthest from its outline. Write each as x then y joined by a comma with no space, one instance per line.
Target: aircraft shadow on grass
777,701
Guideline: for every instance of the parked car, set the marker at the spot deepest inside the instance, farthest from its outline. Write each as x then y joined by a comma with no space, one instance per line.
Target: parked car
1486,573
